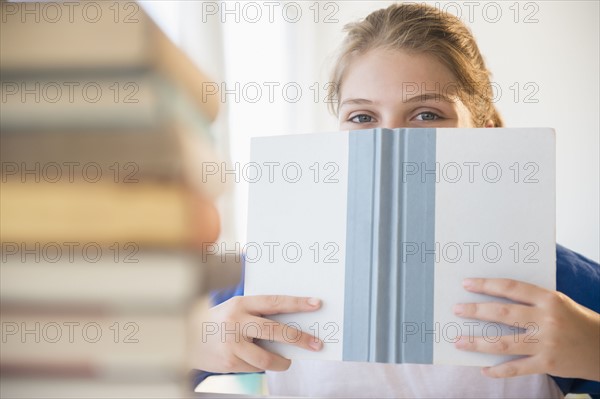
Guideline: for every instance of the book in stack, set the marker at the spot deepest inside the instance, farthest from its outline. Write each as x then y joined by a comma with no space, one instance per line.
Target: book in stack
104,213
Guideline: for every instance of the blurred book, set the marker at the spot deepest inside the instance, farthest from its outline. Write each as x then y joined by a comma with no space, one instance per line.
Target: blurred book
107,346
42,99
114,279
148,214
122,156
113,38
79,388
171,155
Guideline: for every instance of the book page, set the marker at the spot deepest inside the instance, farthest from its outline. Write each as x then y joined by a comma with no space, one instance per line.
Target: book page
297,232
495,217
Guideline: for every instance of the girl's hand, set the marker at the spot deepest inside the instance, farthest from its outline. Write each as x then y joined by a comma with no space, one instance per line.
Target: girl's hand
567,340
225,343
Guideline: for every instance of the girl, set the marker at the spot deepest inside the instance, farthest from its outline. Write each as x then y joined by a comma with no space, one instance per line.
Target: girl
419,46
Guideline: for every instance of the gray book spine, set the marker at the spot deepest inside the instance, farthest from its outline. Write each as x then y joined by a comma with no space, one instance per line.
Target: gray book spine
389,295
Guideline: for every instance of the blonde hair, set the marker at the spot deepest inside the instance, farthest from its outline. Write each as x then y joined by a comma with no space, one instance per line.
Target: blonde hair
420,28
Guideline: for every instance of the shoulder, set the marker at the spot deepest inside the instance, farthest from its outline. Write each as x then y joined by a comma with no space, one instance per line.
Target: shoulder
578,277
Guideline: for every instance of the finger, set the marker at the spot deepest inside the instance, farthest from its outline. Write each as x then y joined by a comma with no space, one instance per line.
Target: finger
261,359
275,304
242,366
506,288
517,344
232,363
513,368
270,330
506,313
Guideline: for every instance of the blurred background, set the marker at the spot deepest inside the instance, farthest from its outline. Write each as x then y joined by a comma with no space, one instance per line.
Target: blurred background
111,111
544,56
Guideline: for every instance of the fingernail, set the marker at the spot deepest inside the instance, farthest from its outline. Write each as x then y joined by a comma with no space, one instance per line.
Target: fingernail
315,344
458,309
314,301
468,283
461,343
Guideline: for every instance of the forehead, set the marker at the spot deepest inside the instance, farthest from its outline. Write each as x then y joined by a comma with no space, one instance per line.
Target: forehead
384,75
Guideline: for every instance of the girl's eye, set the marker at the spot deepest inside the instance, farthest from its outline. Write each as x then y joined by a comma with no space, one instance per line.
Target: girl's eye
427,116
362,118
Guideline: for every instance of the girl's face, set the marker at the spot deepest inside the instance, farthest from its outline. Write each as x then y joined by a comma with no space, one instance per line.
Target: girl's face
392,88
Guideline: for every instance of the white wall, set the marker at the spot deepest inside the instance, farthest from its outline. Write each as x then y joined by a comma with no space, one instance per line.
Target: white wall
548,50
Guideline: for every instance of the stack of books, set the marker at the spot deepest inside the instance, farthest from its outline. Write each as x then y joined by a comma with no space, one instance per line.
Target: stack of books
104,211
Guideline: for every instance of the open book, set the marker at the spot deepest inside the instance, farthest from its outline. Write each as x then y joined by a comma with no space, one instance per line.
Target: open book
383,225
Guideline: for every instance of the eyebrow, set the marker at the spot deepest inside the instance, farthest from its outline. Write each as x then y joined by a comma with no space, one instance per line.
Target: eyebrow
418,98
357,101
428,97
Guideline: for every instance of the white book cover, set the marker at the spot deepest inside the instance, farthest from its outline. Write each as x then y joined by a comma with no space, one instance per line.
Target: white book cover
384,224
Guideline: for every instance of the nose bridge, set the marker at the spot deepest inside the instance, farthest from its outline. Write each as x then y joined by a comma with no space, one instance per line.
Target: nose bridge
392,120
